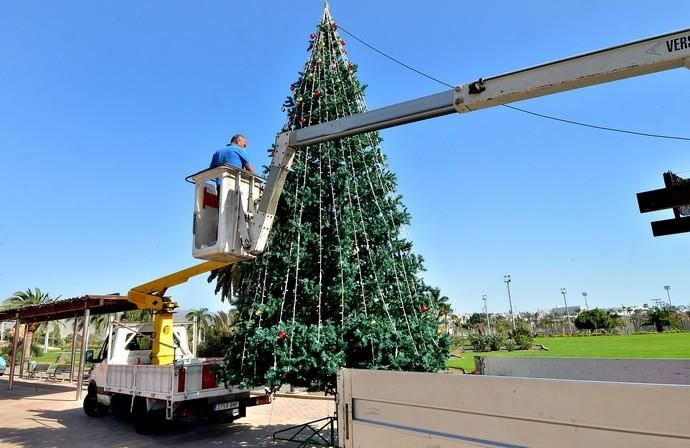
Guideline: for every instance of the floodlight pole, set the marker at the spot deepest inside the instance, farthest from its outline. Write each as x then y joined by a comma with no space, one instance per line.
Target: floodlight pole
506,279
567,314
486,311
668,294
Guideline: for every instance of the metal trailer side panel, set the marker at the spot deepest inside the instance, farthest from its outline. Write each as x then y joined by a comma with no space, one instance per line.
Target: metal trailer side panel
655,371
141,380
445,410
160,382
155,380
119,378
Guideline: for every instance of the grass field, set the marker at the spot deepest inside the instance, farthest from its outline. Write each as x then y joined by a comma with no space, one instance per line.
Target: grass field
662,345
52,355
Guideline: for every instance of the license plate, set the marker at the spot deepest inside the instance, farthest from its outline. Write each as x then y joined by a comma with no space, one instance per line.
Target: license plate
226,405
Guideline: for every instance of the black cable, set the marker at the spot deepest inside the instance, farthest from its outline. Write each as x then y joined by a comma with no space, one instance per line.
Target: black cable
603,128
548,117
393,59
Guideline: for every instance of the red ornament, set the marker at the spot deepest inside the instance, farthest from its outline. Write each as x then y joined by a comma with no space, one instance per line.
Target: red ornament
344,51
425,308
292,88
317,93
335,26
342,42
312,36
303,120
281,335
349,65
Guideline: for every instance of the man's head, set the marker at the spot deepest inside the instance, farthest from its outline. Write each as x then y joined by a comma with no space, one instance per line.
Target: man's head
239,140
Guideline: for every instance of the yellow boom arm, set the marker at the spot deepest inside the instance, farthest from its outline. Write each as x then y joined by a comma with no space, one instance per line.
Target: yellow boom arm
150,296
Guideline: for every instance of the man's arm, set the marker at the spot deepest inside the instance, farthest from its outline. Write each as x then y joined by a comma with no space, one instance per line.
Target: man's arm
245,163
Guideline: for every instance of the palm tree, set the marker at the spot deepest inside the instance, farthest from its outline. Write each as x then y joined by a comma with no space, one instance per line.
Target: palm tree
228,281
27,298
101,321
660,318
501,324
203,319
457,324
137,316
476,322
444,309
224,322
441,304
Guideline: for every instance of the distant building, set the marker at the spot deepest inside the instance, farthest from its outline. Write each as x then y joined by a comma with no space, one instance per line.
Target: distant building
571,310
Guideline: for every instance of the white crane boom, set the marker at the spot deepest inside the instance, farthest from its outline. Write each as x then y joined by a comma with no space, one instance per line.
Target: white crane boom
654,54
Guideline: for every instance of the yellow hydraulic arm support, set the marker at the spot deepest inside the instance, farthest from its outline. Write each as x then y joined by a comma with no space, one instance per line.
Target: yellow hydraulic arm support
150,296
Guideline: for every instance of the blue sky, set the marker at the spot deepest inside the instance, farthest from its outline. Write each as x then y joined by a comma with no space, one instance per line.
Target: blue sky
104,109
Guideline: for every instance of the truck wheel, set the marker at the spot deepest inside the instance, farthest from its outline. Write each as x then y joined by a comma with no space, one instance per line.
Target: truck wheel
93,408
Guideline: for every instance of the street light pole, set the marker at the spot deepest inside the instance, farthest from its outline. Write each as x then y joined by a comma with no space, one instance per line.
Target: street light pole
567,314
668,294
486,311
506,279
584,294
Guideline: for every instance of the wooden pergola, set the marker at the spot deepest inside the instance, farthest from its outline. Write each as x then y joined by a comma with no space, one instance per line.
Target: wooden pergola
64,309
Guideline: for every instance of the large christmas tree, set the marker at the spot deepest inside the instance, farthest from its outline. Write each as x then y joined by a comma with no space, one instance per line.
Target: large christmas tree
338,286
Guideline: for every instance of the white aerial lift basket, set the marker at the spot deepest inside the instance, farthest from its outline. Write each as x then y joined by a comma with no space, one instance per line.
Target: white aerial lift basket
222,221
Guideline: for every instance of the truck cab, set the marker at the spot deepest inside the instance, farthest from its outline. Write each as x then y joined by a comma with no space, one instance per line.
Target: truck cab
132,343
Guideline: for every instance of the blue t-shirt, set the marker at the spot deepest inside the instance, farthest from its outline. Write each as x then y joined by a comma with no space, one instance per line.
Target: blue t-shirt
229,155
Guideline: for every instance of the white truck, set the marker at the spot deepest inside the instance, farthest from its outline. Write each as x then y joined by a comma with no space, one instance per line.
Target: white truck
124,380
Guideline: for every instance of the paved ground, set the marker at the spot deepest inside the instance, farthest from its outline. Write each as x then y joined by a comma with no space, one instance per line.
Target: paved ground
40,414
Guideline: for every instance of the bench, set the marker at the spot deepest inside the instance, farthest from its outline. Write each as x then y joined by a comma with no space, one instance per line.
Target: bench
61,372
26,371
40,371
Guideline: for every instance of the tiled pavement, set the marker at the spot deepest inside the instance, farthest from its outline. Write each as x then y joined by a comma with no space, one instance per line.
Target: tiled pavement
41,414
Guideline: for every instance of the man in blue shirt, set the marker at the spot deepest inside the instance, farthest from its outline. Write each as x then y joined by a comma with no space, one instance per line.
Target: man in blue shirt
233,154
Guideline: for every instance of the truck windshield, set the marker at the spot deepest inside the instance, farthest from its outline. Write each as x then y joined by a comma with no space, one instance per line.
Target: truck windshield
140,342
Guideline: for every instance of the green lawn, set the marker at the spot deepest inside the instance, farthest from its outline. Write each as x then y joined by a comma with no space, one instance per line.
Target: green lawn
52,355
661,345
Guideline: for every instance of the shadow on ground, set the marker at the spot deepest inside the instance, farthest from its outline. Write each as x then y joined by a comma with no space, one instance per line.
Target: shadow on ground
35,389
42,414
71,428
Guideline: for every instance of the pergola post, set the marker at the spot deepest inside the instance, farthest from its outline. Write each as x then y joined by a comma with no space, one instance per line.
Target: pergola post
46,336
84,337
21,358
14,352
74,348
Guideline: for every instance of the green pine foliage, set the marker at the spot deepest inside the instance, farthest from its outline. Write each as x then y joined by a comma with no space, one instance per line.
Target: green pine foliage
338,286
